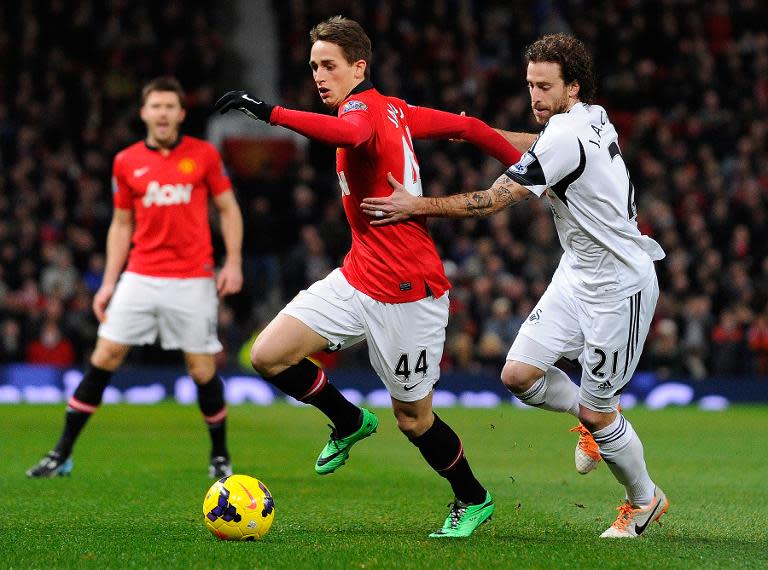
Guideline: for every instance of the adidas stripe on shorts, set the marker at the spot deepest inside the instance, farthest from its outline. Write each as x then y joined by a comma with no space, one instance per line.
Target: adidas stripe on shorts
607,338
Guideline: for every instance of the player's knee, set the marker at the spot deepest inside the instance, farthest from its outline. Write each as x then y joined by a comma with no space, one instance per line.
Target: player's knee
108,356
518,376
262,365
412,426
259,360
201,373
266,364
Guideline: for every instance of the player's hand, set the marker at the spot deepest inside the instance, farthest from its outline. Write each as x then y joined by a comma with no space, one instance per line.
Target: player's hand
101,300
229,280
397,207
240,100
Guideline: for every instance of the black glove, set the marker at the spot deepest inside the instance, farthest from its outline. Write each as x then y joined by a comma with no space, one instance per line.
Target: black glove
240,100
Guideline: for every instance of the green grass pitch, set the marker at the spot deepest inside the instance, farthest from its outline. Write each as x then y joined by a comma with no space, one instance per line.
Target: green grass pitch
134,499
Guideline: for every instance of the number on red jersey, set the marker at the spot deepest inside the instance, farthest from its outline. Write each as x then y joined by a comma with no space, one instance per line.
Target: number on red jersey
411,172
343,183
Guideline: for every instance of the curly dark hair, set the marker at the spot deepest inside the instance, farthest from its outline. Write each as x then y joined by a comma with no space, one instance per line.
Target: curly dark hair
573,57
349,36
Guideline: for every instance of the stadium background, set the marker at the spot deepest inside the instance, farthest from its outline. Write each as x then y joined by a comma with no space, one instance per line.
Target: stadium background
686,85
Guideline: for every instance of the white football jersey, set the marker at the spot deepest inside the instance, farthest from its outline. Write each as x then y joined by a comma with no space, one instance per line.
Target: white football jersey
577,161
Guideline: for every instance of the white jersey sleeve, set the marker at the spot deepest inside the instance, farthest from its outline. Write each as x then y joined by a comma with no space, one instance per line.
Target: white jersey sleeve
554,160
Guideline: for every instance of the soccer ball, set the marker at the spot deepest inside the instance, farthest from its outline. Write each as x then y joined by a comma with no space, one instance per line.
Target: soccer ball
238,507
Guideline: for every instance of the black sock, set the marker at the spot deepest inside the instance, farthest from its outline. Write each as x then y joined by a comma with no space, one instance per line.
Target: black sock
442,449
83,403
218,433
210,398
309,384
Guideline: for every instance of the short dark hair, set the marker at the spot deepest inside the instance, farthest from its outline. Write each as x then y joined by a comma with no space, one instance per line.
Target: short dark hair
165,83
573,57
349,36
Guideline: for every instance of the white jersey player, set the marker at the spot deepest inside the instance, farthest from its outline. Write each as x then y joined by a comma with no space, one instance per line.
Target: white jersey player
599,305
577,157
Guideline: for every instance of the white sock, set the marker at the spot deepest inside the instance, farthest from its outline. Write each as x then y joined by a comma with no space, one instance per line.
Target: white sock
554,391
622,451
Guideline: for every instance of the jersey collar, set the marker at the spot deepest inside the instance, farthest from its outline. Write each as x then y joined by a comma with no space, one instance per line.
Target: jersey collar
365,85
578,106
157,148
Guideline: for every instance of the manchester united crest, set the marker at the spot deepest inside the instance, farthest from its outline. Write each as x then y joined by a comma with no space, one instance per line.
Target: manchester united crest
187,165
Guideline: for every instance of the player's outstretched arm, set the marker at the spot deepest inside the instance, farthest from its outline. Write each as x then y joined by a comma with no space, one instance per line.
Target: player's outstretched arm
352,129
401,205
427,123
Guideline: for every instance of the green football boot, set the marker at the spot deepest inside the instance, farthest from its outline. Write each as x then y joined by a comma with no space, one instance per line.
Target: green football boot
463,519
336,451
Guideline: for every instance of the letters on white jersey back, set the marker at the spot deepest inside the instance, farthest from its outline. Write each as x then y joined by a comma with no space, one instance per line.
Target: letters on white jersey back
577,161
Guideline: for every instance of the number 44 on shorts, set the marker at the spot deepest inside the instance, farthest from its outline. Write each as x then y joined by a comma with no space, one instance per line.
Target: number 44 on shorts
403,368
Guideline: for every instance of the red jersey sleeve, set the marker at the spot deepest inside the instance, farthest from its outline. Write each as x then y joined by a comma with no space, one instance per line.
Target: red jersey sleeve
121,192
429,123
216,176
351,129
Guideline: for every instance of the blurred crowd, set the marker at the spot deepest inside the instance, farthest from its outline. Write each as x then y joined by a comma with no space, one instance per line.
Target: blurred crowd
69,100
686,85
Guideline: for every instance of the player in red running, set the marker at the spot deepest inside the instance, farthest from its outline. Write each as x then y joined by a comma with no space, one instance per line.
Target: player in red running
161,188
391,290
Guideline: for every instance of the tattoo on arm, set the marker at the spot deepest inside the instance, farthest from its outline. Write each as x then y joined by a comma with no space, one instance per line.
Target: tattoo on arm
478,202
500,195
504,192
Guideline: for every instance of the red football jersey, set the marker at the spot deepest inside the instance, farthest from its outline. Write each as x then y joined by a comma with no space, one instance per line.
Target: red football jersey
396,263
169,198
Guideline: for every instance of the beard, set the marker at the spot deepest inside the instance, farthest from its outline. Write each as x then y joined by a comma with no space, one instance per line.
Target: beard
558,106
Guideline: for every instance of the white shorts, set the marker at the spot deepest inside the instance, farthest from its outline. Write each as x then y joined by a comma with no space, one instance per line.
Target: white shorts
607,338
183,311
405,340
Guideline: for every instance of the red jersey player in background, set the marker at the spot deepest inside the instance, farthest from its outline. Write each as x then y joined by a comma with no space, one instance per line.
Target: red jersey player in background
391,290
161,189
